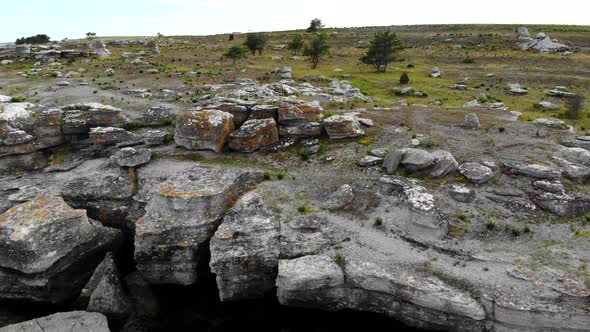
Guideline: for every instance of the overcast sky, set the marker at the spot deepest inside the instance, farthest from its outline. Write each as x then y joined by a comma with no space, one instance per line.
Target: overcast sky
73,18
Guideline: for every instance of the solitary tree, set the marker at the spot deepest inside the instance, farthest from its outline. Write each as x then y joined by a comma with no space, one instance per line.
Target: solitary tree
296,44
575,106
382,49
315,25
316,48
90,35
236,53
255,42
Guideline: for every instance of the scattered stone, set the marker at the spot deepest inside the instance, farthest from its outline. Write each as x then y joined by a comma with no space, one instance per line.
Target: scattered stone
436,73
203,130
62,83
152,71
381,153
109,135
532,170
461,193
158,116
131,157
545,105
516,89
366,122
296,114
340,199
416,159
444,164
476,173
368,161
552,123
563,205
471,121
555,187
245,250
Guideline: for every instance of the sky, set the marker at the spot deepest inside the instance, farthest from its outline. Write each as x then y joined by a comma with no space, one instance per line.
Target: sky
73,18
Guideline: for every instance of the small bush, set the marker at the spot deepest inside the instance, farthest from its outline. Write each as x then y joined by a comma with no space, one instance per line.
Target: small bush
404,78
135,124
491,224
17,99
267,176
280,175
304,208
410,65
501,129
514,230
340,259
378,221
468,60
527,229
462,216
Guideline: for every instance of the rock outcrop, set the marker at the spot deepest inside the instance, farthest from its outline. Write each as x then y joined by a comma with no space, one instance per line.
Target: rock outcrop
180,219
63,321
49,250
245,250
203,130
253,135
343,126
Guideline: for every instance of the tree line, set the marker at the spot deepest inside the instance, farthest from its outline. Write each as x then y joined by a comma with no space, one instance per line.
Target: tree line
380,54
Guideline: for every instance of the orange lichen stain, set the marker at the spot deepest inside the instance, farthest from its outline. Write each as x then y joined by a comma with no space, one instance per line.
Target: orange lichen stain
227,234
172,192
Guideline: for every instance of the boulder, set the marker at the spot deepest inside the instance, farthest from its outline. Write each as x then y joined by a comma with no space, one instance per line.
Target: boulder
203,130
79,118
524,34
340,199
104,291
416,159
516,89
240,113
444,164
436,73
555,187
552,123
546,105
100,49
476,173
309,129
471,121
245,250
564,205
131,157
461,193
49,250
575,155
294,114
108,135
153,46
63,321
264,112
154,137
380,152
393,160
368,161
181,217
158,116
532,170
253,135
343,126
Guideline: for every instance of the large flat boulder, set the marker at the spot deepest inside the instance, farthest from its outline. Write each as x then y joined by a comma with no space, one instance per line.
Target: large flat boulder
79,118
63,321
181,217
203,130
293,114
48,250
245,250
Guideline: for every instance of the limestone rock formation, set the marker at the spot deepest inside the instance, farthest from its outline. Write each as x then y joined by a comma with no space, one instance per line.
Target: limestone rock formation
63,321
49,250
253,135
203,130
343,126
245,250
131,157
476,173
180,219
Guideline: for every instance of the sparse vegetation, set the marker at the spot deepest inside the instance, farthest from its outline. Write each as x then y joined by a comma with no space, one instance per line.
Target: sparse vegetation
315,25
381,51
296,44
304,208
378,221
340,259
317,48
236,53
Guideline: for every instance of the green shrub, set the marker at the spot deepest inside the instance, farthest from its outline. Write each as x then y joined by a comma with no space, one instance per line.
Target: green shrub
501,129
527,229
491,224
378,221
404,78
468,60
304,208
267,175
135,124
17,99
340,259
